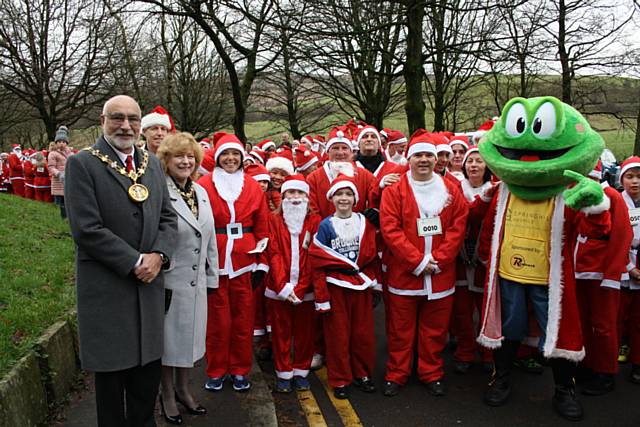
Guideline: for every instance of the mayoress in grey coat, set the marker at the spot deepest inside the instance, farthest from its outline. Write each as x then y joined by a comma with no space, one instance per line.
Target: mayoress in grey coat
121,245
193,272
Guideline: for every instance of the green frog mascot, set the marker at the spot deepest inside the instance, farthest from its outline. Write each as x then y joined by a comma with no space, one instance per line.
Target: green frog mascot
541,149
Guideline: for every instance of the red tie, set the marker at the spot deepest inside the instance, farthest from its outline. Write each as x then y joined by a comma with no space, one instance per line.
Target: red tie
129,163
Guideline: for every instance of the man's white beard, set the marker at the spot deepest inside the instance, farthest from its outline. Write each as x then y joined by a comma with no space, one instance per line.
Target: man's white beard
294,212
399,159
347,229
120,144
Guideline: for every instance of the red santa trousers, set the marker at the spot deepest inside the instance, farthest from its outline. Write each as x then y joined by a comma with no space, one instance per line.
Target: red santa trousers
431,320
43,195
598,308
261,319
629,321
230,327
292,323
348,335
465,303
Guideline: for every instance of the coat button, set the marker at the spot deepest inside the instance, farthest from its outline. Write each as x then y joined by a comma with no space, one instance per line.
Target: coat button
193,283
195,267
198,234
196,250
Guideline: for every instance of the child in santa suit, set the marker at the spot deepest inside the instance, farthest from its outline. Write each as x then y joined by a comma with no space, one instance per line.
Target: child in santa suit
423,220
242,233
343,255
629,312
290,289
279,167
598,292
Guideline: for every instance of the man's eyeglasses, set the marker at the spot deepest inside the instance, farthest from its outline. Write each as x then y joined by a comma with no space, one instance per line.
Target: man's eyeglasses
120,118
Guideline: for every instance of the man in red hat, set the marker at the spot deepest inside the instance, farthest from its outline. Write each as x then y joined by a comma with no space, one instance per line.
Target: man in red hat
415,216
306,161
16,171
369,154
240,210
396,144
155,127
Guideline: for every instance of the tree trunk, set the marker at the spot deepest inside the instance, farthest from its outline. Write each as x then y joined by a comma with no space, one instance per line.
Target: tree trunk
636,143
563,54
413,72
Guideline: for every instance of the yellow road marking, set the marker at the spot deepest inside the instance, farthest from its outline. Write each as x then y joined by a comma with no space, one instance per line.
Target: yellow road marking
343,407
311,409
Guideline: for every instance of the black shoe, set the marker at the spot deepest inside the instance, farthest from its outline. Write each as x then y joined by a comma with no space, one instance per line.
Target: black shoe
635,374
171,419
498,392
198,410
365,384
436,388
566,404
462,367
341,392
391,388
599,384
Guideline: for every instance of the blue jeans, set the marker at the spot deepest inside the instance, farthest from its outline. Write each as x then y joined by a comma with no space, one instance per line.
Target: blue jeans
59,200
515,316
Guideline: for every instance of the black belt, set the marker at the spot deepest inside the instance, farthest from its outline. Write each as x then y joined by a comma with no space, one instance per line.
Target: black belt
347,272
224,230
605,238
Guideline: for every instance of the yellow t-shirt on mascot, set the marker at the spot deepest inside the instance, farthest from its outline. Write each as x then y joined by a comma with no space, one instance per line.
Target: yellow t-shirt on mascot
524,254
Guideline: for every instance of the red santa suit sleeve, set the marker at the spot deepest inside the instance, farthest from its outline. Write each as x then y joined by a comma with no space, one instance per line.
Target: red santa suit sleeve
319,184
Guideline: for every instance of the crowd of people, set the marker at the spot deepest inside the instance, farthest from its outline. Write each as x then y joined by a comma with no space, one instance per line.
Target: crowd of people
285,250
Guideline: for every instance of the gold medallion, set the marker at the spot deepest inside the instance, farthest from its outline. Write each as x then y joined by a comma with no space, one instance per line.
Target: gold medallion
138,193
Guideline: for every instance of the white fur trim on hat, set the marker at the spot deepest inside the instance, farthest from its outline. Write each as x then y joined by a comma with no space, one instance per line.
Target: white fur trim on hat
280,163
307,165
267,145
596,174
397,141
155,119
262,177
340,138
468,153
444,147
338,185
226,146
421,147
459,142
294,184
627,167
373,131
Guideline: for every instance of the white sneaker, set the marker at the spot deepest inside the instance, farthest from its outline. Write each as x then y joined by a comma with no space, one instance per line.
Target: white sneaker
317,362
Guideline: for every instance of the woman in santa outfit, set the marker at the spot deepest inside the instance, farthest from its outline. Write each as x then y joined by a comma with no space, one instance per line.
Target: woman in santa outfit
16,171
629,312
459,145
423,220
241,216
343,255
279,167
290,289
477,190
42,180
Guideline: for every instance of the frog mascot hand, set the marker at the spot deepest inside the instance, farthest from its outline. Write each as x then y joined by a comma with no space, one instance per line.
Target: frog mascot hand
539,148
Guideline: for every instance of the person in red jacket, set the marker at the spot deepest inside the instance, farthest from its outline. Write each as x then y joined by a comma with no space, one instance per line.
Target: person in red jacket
242,233
29,175
279,168
423,220
16,172
598,293
290,289
5,182
42,180
344,271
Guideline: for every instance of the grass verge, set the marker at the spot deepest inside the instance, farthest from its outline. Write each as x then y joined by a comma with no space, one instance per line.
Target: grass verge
36,274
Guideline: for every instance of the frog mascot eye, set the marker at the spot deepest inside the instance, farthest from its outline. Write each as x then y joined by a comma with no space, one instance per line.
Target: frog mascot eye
544,122
516,120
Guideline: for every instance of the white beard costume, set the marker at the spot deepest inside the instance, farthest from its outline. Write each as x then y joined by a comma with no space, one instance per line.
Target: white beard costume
337,168
229,185
294,211
431,196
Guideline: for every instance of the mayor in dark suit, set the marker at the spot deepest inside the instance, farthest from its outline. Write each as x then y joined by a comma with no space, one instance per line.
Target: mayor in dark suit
124,227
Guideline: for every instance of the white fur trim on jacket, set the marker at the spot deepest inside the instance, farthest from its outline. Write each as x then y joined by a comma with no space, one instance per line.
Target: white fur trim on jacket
599,208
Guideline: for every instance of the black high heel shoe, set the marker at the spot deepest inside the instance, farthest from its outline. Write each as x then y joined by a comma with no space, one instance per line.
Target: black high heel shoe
198,410
171,419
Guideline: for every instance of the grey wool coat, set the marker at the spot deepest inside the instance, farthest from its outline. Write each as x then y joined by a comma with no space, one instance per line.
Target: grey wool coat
193,270
120,319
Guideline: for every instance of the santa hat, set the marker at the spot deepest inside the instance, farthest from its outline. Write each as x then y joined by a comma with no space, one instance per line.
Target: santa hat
286,152
486,126
421,143
205,143
258,156
395,137
258,172
472,149
16,148
295,182
319,139
306,140
280,162
441,142
227,141
385,132
630,163
304,158
208,162
265,145
158,117
597,171
368,128
343,181
460,140
338,135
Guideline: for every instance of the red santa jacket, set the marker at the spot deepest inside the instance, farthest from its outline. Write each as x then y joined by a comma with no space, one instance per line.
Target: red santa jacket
4,176
319,183
42,179
385,167
407,254
15,167
29,171
329,266
250,213
589,258
289,259
632,260
563,336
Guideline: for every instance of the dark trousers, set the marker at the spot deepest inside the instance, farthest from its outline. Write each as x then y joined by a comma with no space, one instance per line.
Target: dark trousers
59,200
128,397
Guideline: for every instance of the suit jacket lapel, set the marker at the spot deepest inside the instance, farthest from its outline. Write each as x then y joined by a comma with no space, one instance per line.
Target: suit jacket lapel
180,206
106,149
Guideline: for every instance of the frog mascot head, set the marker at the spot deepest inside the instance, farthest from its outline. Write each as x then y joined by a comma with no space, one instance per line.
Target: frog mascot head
538,146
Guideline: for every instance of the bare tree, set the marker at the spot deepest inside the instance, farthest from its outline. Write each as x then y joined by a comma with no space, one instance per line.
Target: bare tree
56,55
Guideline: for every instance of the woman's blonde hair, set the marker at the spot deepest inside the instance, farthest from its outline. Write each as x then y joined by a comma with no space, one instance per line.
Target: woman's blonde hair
176,144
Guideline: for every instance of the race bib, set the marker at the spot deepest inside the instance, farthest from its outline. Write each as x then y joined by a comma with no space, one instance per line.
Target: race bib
429,226
40,170
634,216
